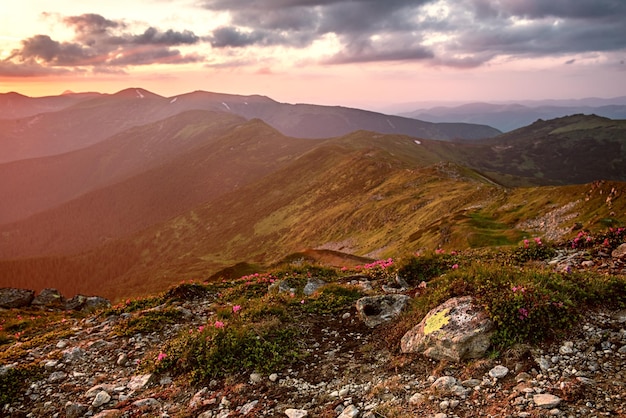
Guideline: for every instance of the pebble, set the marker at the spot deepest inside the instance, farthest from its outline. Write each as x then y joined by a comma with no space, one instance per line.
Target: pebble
545,400
498,372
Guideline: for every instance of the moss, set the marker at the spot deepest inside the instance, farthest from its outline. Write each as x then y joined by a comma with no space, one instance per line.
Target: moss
436,322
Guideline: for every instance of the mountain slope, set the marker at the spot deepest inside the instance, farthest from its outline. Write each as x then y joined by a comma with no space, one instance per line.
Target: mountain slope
220,165
568,150
37,184
90,121
347,194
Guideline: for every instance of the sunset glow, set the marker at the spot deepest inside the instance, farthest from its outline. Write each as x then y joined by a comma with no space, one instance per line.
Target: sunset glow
355,53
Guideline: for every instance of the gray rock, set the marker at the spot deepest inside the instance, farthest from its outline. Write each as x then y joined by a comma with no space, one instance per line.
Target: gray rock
57,377
147,403
140,381
247,408
94,303
49,298
75,410
455,330
15,298
444,384
100,399
498,372
312,285
375,310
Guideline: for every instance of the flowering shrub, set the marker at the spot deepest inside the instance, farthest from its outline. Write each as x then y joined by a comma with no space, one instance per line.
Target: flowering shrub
534,249
418,268
379,269
607,241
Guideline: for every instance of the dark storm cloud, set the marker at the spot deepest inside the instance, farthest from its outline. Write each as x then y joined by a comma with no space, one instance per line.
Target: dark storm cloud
101,44
477,30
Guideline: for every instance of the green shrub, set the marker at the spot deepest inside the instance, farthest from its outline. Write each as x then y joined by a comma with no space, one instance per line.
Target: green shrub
417,269
331,298
14,380
149,321
215,352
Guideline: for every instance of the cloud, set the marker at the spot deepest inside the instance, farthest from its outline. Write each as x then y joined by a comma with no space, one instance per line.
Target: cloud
103,45
461,33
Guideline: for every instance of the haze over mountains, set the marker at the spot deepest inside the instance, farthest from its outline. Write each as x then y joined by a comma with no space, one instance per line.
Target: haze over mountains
509,116
128,193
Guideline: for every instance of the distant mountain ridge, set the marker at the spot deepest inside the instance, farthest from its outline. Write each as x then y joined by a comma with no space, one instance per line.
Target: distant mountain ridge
509,116
66,118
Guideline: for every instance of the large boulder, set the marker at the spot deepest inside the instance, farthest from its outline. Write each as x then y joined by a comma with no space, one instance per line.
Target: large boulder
49,298
15,298
375,310
455,330
87,303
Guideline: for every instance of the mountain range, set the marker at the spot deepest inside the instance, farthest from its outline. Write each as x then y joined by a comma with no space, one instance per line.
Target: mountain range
125,194
509,116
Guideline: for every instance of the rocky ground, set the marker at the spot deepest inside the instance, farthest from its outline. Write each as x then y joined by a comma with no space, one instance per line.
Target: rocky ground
91,370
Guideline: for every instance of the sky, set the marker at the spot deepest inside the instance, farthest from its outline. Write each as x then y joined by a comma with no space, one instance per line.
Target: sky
359,53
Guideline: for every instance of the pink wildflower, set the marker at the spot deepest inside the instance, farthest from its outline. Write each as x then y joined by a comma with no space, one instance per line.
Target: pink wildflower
161,356
522,313
218,324
201,328
455,266
538,241
236,308
526,243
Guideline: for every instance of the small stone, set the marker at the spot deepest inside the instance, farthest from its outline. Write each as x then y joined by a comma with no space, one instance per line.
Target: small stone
471,383
75,410
350,412
147,403
56,377
444,384
273,377
498,372
296,413
101,398
443,405
256,378
247,408
346,315
140,381
109,413
122,360
417,399
545,400
567,348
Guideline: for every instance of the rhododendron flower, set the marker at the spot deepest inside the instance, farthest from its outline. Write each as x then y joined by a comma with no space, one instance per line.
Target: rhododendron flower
523,313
